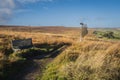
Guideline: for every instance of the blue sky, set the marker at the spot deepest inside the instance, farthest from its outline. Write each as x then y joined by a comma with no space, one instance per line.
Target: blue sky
95,13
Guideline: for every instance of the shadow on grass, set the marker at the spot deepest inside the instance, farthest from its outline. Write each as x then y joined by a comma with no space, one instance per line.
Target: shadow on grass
20,69
51,50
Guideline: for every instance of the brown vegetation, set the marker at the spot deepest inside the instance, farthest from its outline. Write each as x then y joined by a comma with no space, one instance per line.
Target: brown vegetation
92,59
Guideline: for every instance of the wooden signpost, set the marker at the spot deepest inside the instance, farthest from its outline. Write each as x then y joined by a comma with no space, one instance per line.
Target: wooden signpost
84,31
21,44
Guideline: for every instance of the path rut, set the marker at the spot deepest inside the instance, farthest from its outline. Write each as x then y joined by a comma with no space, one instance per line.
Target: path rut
37,65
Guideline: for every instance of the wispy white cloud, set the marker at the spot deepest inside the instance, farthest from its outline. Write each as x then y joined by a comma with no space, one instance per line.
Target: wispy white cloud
7,4
21,10
5,10
8,8
45,8
33,1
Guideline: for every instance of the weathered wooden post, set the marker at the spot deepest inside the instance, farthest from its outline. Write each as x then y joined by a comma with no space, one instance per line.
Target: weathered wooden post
84,31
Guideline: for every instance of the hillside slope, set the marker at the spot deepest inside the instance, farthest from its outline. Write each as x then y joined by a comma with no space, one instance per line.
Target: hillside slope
88,60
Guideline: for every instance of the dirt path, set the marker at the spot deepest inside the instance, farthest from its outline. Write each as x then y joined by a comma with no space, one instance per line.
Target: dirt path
37,64
36,70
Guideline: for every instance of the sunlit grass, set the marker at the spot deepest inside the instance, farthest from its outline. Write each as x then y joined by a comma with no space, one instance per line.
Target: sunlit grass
91,60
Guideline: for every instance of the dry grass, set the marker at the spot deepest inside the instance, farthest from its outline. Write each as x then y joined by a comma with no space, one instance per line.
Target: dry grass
92,59
39,37
89,60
